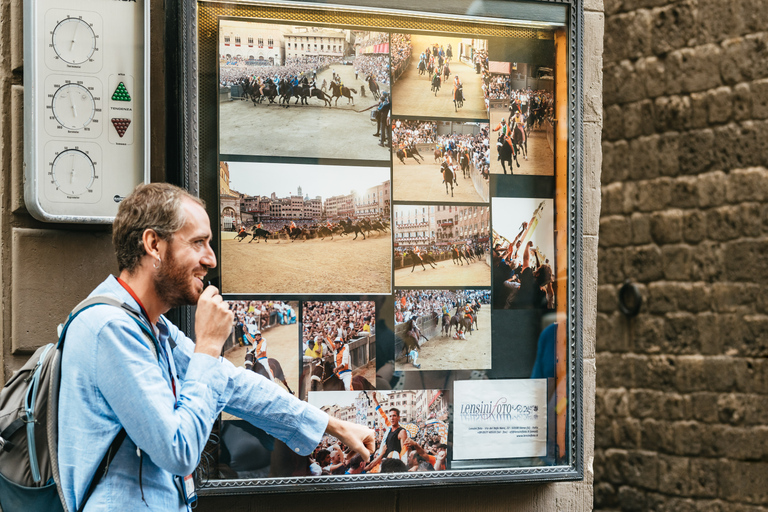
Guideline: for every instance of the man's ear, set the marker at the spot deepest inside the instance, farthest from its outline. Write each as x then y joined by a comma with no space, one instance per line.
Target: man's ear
152,243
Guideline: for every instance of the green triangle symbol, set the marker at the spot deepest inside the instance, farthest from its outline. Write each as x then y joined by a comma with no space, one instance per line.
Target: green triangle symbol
121,93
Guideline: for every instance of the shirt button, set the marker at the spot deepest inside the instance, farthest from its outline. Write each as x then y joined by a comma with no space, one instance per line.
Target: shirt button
297,450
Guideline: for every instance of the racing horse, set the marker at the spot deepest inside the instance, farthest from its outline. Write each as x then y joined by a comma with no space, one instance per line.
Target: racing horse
324,231
323,378
277,371
519,139
373,87
259,233
460,321
458,97
270,92
507,153
295,233
342,92
422,67
415,258
448,177
305,91
458,255
439,152
286,90
464,163
435,83
409,151
446,72
411,337
351,227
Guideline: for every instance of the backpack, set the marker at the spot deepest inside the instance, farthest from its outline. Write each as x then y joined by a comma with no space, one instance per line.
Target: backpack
29,471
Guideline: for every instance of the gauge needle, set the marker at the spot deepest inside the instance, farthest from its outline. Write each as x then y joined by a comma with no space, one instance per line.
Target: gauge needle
72,173
74,34
72,102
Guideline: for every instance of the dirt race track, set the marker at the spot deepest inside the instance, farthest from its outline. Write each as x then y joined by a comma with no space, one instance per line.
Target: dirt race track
541,159
445,353
341,265
311,131
411,95
447,273
424,182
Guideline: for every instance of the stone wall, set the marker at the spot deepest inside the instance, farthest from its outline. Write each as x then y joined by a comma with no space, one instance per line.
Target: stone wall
682,398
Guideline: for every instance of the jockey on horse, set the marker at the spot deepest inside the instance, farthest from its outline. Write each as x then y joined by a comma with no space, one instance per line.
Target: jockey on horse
505,131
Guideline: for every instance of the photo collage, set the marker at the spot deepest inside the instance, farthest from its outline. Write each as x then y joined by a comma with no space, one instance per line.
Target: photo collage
387,215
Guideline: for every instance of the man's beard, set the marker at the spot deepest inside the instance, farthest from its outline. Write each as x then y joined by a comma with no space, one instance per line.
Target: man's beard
172,283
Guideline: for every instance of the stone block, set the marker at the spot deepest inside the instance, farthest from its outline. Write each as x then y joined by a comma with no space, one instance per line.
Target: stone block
724,21
612,201
747,261
756,339
638,119
685,192
711,187
17,148
704,407
696,151
695,297
656,82
697,67
645,403
16,26
663,298
613,126
615,403
643,158
710,341
641,228
612,333
694,225
720,103
667,225
742,102
615,230
610,261
735,146
724,223
703,479
741,58
699,110
614,166
681,333
759,93
743,481
655,372
674,475
652,195
707,262
627,432
677,261
668,150
692,439
648,334
747,185
658,436
751,225
627,36
725,374
643,263
606,496
673,26
673,113
689,373
594,23
607,299
754,15
54,269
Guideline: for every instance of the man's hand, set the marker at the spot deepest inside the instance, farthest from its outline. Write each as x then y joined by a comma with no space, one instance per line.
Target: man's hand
358,438
213,322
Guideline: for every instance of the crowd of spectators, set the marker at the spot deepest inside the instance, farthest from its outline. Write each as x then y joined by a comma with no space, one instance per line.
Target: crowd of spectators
400,49
376,66
262,314
478,146
410,303
413,132
348,320
294,67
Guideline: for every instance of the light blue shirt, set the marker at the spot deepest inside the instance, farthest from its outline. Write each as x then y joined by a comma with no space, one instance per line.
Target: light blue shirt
111,378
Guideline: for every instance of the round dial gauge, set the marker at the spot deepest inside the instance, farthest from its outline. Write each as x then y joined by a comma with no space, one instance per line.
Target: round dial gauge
74,41
73,106
73,172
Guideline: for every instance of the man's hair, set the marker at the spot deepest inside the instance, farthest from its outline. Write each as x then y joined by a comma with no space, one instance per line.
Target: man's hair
155,206
396,410
322,454
355,461
393,466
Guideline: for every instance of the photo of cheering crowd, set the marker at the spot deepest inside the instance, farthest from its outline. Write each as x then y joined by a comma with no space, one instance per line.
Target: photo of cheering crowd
440,161
438,76
411,429
523,253
275,79
263,340
522,111
338,345
443,329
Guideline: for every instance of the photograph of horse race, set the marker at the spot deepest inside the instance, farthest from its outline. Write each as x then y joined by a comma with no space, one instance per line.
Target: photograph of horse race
441,245
438,76
443,329
305,229
440,161
339,346
522,119
411,429
523,253
263,340
300,91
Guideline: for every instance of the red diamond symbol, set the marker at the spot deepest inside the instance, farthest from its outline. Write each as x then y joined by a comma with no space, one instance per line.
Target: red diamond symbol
121,125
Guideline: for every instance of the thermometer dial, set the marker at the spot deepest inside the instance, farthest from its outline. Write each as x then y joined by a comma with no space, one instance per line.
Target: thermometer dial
74,41
73,172
73,106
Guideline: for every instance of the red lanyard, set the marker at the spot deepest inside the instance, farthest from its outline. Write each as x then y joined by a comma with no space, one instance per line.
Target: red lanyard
143,310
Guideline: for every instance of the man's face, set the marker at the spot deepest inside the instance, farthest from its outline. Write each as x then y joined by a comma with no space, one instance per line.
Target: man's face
394,417
186,259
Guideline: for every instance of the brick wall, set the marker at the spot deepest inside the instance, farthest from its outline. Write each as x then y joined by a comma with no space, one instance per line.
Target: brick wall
682,389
